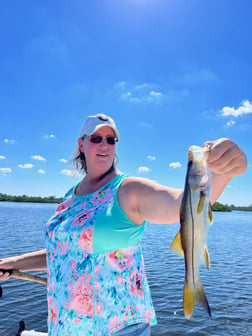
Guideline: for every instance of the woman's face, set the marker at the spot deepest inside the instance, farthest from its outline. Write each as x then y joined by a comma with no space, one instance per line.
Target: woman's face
99,156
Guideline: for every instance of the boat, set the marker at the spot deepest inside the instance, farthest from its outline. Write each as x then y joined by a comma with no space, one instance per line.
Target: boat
23,332
25,276
33,333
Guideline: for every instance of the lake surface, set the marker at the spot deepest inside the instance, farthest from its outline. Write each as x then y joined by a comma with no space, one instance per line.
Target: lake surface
228,283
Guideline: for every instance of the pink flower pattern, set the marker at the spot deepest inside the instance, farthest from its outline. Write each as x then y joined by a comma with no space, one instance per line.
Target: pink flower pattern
92,294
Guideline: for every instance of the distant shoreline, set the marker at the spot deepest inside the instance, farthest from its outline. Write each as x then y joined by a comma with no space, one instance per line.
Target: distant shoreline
219,207
227,208
31,199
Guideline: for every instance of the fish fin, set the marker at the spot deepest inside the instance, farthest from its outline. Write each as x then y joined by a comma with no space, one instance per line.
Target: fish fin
189,300
176,245
193,295
210,214
201,202
200,297
206,257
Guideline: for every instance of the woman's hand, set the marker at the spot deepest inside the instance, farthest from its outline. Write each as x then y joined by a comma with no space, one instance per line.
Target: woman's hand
6,263
226,158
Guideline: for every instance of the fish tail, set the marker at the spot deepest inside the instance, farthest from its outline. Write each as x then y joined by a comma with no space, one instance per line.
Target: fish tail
201,299
193,295
189,300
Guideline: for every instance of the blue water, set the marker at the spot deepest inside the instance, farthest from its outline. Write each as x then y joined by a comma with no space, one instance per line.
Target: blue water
228,283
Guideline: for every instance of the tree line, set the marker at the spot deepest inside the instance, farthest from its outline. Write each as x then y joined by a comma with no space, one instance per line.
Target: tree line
33,199
52,199
224,207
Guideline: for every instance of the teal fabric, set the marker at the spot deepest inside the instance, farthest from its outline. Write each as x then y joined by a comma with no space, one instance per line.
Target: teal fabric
113,230
96,277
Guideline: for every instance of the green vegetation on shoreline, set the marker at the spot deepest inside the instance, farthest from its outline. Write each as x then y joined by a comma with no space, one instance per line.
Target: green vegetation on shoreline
221,207
52,199
33,199
224,207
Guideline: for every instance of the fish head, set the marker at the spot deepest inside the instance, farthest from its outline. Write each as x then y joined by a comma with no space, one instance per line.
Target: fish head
198,171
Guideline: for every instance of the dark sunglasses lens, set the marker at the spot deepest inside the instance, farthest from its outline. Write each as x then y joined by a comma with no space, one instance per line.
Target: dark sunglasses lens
96,139
111,140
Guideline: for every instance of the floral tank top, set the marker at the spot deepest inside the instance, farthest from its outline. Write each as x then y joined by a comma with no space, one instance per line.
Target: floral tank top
96,278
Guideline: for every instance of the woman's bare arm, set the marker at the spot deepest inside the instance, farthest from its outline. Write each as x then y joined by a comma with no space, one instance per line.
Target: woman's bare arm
143,199
32,261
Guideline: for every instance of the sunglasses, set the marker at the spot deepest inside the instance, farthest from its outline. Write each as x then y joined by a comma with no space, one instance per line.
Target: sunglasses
96,139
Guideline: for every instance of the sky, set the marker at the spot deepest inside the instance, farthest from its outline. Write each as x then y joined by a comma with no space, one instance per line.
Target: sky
171,73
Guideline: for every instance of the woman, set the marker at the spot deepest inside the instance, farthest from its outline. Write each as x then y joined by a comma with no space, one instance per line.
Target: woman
96,279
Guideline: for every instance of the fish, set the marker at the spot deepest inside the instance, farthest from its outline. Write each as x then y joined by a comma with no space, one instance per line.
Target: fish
195,216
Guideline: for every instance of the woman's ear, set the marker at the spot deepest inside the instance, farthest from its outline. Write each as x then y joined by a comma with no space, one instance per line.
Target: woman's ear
80,144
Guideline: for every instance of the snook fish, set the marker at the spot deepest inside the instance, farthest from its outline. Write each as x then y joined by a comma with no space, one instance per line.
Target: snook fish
190,241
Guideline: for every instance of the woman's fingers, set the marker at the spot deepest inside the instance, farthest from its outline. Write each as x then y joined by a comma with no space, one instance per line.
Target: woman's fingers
226,157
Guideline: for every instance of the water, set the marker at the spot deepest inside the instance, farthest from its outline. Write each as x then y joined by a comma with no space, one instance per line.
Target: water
228,283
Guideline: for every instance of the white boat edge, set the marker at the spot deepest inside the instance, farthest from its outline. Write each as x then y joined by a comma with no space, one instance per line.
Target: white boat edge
33,333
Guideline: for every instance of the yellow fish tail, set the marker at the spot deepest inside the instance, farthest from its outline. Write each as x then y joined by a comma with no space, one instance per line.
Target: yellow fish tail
193,295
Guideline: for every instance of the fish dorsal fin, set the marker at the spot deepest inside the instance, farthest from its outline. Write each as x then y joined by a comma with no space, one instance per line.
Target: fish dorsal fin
201,202
206,257
176,245
210,214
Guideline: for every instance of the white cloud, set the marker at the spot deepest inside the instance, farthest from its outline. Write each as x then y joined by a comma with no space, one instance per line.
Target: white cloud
9,141
2,157
151,158
63,160
129,96
230,123
41,171
38,157
26,166
155,94
68,172
49,136
175,165
244,108
144,86
5,171
126,95
140,93
143,169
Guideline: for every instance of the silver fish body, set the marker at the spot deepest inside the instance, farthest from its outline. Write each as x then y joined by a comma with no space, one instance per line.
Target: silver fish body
195,214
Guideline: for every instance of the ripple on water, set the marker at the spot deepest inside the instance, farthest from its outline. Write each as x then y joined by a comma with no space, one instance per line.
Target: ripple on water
227,284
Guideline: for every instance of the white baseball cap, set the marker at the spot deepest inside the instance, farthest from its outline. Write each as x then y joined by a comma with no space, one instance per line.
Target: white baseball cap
93,123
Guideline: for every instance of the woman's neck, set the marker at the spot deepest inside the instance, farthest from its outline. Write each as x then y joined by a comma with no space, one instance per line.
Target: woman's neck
92,182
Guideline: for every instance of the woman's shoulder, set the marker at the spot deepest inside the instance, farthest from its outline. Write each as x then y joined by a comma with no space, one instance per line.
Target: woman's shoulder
132,193
133,188
131,183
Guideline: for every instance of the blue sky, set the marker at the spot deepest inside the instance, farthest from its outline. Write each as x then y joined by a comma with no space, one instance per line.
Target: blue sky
171,74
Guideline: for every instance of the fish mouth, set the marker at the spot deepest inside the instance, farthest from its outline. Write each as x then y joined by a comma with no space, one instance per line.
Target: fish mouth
201,169
206,179
197,159
197,166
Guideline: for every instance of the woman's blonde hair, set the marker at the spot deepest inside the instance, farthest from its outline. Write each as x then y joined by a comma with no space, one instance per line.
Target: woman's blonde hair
79,160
